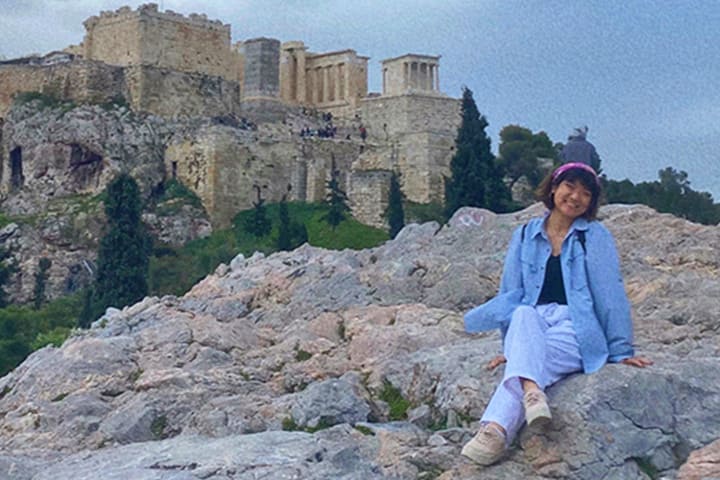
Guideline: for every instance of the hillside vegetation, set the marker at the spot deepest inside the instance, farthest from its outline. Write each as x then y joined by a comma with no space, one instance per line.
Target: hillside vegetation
173,271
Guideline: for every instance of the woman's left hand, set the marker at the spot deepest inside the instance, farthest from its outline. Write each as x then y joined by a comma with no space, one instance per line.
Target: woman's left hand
640,362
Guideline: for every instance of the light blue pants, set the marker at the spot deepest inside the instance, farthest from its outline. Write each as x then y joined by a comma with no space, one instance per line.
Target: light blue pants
540,345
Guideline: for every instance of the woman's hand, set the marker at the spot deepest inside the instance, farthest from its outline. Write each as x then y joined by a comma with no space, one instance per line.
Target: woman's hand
495,362
640,362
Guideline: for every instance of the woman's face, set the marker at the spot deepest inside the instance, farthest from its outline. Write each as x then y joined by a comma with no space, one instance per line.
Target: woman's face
571,198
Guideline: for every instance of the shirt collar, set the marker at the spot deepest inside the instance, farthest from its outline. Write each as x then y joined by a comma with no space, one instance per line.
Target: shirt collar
536,228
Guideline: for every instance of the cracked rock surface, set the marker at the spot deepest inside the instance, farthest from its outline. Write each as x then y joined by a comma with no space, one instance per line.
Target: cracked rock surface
318,364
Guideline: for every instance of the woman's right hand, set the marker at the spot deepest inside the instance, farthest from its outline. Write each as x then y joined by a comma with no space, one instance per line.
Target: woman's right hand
496,362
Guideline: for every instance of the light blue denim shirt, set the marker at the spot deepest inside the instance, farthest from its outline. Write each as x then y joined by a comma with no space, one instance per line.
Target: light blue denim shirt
598,305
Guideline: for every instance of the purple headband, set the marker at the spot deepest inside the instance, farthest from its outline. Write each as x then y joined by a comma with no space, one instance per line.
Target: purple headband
568,166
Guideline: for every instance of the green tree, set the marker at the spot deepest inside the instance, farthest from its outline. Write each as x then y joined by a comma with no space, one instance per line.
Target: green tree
87,312
40,279
336,200
672,193
6,271
291,234
475,180
394,213
122,266
520,151
258,224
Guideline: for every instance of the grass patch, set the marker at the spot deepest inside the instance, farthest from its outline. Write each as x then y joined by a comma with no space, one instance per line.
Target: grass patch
158,426
5,391
173,271
55,337
364,430
301,355
135,375
438,425
45,101
349,234
60,397
289,425
392,395
5,220
646,466
78,203
423,212
341,330
174,196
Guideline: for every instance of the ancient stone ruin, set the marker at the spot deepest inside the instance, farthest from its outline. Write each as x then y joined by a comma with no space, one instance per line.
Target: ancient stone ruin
276,114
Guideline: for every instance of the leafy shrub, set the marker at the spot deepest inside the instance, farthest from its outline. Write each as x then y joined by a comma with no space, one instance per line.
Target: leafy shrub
24,329
174,195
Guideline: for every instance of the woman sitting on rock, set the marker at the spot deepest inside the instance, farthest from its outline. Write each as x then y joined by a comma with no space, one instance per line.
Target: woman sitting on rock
562,308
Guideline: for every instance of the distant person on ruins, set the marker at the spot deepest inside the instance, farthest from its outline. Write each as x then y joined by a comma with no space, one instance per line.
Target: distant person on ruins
561,309
578,149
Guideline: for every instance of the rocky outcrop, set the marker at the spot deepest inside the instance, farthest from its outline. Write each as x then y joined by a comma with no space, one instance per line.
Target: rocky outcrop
209,385
62,151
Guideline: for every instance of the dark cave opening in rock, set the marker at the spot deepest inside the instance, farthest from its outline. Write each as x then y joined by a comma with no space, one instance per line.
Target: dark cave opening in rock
16,169
85,165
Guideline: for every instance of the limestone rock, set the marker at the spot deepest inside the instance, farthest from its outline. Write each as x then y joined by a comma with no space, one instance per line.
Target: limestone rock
201,386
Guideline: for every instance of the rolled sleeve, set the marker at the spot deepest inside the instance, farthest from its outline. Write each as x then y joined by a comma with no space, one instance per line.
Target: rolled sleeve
609,298
496,312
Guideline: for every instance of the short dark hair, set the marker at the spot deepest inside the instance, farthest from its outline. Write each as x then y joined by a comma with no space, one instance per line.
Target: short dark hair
544,192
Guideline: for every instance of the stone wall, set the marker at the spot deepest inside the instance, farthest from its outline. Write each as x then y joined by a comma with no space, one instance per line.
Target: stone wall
193,94
368,195
416,134
162,39
403,114
145,88
224,165
76,80
423,161
262,68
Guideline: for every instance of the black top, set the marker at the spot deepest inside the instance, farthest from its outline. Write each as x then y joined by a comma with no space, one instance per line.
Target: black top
553,288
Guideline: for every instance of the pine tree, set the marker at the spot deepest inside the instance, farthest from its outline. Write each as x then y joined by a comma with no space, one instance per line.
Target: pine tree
40,279
475,180
336,200
121,277
394,213
258,224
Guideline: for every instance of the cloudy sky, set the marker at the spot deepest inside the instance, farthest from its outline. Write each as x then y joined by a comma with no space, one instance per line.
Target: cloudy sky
643,75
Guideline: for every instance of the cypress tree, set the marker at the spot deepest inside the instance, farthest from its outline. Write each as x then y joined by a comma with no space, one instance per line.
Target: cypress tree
475,180
284,242
40,279
291,234
336,200
121,277
394,213
258,224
